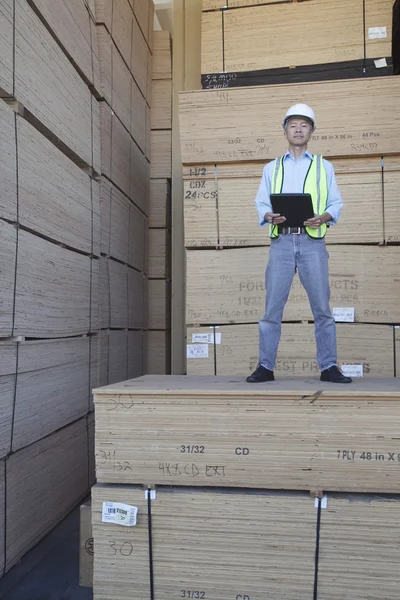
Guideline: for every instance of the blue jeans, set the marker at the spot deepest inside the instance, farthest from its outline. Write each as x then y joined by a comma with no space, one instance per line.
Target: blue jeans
310,257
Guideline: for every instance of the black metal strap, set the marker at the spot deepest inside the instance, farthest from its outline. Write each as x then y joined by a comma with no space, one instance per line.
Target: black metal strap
223,39
365,38
150,531
315,595
383,197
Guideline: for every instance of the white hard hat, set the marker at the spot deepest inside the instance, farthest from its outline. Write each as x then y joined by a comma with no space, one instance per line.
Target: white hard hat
300,110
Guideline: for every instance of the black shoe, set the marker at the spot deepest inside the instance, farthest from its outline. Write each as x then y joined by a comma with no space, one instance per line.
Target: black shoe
261,374
334,376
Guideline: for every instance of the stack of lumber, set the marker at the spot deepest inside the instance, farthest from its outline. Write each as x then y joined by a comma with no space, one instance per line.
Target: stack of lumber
234,465
259,43
124,34
49,264
64,218
228,468
233,350
247,545
159,244
252,119
228,250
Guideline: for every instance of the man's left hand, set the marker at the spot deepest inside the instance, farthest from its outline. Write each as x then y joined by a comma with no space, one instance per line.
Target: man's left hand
314,223
318,220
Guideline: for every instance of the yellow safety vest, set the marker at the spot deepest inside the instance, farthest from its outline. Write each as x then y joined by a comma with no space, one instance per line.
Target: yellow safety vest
315,184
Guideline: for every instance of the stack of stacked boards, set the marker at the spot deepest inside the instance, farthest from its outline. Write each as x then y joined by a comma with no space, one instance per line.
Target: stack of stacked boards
267,42
227,250
291,490
159,248
68,205
124,33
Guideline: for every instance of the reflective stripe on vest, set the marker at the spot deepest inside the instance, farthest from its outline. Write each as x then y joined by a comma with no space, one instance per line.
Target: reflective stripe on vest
315,184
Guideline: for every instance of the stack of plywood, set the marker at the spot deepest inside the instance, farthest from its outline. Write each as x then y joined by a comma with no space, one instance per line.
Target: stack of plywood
248,544
125,39
293,432
228,250
252,120
256,43
49,264
74,182
222,453
159,246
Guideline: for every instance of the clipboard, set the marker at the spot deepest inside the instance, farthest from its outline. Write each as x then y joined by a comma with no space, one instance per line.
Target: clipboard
297,208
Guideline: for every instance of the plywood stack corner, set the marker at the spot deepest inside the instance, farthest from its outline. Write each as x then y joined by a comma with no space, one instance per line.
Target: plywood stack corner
159,241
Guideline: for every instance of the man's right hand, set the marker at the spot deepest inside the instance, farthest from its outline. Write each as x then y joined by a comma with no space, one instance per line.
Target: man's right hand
274,218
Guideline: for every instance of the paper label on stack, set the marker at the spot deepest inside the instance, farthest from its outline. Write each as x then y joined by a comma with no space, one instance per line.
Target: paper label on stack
353,370
197,351
380,63
375,33
206,338
121,514
343,315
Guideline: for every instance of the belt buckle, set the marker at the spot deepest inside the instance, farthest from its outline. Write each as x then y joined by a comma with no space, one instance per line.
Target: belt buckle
298,232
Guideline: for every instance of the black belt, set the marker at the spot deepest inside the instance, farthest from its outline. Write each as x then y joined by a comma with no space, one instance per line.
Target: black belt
291,230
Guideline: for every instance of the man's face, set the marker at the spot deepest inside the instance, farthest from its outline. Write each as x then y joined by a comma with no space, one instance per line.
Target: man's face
298,131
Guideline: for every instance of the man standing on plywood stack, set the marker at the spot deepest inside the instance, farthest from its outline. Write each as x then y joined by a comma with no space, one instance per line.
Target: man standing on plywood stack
299,249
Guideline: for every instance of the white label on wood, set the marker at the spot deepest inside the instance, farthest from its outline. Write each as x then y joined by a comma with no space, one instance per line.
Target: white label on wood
353,370
121,514
343,315
206,338
201,338
324,502
380,63
375,33
197,351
